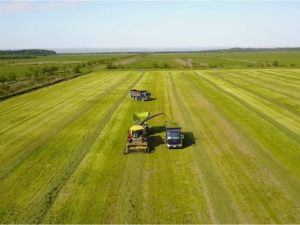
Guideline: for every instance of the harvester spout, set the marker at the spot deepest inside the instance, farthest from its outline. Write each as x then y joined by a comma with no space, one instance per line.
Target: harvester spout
151,117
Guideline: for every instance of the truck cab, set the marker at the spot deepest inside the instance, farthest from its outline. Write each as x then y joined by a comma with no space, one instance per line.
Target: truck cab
174,137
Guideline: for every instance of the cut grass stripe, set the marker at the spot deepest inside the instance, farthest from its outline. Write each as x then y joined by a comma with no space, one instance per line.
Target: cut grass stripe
12,159
269,144
222,213
238,168
83,150
64,161
287,125
276,82
282,99
264,95
255,82
26,100
31,114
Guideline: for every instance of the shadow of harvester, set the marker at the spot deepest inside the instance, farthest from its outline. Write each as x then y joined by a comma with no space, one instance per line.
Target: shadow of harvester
156,129
155,141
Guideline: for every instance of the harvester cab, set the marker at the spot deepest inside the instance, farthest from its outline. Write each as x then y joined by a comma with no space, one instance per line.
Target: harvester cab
138,134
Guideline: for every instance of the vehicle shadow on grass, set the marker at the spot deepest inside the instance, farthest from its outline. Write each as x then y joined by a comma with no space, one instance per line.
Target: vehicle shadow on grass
155,141
151,99
156,129
188,140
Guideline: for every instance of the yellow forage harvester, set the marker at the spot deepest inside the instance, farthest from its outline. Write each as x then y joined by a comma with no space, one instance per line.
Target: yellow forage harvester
138,134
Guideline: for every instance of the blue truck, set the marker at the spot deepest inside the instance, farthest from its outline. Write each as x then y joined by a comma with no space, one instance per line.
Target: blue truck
143,95
174,137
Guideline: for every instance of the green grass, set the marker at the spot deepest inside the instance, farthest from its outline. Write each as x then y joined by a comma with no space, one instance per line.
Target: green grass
21,65
227,60
161,61
61,150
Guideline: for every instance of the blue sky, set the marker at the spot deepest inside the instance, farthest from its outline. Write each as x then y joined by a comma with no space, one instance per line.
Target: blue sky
149,24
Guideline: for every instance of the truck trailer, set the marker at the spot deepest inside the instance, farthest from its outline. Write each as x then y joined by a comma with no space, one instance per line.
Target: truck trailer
143,95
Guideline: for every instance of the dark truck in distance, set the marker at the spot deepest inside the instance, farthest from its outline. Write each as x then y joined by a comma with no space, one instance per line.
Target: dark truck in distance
174,137
143,95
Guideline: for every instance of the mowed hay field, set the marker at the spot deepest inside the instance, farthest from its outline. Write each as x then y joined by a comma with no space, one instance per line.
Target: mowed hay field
61,150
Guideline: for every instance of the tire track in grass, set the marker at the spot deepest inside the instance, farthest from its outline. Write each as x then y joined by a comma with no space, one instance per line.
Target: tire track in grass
238,168
291,131
34,145
82,150
208,176
269,153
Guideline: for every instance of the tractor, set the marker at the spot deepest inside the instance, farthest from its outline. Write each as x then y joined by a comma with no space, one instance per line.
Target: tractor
138,134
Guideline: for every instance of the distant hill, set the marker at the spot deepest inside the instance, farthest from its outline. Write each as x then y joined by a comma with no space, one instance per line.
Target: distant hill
26,53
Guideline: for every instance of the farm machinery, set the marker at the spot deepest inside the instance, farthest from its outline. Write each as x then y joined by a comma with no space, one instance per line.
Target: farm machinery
143,95
138,134
174,136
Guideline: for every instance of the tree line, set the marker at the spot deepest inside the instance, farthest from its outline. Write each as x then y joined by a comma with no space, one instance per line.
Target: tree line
11,82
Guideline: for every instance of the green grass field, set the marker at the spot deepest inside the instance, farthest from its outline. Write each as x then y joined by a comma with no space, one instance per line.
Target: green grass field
61,150
203,60
19,66
227,60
